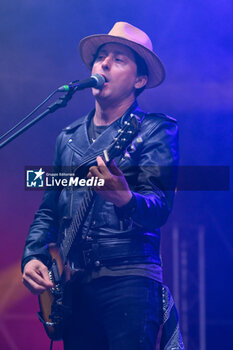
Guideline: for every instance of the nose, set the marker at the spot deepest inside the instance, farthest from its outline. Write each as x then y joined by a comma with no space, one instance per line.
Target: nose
106,63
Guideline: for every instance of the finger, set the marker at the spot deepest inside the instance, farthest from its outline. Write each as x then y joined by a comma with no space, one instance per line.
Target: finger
39,277
34,287
102,166
114,169
45,275
94,171
100,161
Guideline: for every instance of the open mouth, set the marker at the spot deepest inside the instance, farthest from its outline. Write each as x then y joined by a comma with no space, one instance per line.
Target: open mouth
106,79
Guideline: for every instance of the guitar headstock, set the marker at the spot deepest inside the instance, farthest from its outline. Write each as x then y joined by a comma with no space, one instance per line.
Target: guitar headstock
123,139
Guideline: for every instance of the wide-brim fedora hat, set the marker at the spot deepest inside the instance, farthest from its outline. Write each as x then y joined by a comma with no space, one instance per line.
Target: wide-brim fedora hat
133,37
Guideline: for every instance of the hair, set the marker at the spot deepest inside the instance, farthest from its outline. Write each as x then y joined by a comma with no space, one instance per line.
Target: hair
140,63
141,70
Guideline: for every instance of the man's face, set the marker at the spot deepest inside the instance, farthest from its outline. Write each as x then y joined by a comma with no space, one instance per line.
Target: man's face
117,64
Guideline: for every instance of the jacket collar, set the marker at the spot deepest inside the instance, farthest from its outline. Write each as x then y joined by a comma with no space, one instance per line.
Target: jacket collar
80,141
71,127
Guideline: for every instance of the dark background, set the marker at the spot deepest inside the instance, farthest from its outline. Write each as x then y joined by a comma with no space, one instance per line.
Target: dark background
38,53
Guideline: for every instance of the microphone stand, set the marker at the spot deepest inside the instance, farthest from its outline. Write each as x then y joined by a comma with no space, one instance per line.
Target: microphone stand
59,103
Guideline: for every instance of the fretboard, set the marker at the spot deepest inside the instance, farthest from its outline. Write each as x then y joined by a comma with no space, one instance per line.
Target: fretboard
77,222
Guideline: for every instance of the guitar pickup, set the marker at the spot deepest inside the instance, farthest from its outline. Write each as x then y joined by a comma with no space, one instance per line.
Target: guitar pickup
55,272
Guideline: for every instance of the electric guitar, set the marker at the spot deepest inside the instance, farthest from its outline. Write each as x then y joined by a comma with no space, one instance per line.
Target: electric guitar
53,311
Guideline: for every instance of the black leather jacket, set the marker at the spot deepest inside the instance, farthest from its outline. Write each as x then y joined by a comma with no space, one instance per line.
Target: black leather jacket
131,233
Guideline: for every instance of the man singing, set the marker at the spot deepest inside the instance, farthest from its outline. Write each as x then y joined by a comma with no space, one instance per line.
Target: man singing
118,299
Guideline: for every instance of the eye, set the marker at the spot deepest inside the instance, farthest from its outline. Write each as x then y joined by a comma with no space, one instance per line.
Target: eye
119,59
100,57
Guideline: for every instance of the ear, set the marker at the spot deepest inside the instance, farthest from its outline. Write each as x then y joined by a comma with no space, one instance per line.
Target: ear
140,81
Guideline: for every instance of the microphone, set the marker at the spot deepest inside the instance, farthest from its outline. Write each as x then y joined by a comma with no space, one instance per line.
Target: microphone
97,81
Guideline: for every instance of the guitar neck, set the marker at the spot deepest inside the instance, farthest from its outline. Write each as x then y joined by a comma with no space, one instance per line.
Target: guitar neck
76,224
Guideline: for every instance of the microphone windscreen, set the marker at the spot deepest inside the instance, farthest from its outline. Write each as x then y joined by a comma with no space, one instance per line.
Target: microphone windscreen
100,80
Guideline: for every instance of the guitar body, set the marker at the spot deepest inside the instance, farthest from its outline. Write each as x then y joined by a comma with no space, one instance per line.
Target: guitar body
52,310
